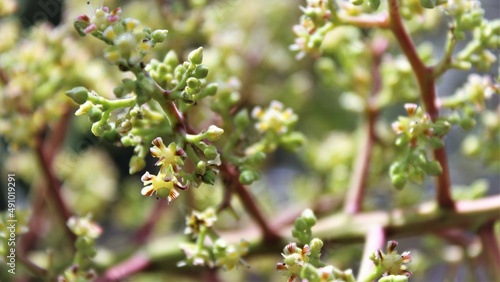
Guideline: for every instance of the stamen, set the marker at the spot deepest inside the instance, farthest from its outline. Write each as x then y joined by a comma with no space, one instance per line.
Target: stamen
90,8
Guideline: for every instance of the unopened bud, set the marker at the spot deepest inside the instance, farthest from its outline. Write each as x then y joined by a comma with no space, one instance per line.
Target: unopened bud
201,71
159,35
78,94
214,133
196,56
95,114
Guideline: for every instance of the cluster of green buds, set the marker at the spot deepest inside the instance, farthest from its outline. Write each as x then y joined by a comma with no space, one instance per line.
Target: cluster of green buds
415,132
220,253
314,24
86,232
187,80
305,262
392,263
275,126
151,107
466,14
468,17
127,47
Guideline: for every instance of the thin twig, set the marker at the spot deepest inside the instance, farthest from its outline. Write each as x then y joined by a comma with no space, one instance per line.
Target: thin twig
425,79
269,234
133,265
354,199
375,240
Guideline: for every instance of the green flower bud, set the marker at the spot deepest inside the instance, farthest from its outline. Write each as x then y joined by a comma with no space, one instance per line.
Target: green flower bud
192,91
162,71
419,159
399,181
357,2
397,168
127,141
300,224
211,89
128,84
119,91
201,71
214,133
209,177
171,59
247,177
95,114
433,168
193,82
429,4
111,136
441,127
374,4
201,167
196,56
467,123
309,217
78,94
210,152
316,245
242,118
159,35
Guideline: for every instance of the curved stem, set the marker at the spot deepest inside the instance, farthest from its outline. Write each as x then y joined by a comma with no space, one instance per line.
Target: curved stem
269,233
354,199
426,83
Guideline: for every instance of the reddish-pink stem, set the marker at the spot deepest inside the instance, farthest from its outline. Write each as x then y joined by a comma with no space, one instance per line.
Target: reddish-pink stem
491,249
269,234
425,79
118,272
354,199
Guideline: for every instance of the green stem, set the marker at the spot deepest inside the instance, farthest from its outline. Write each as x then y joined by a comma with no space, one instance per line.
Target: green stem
110,105
200,242
446,62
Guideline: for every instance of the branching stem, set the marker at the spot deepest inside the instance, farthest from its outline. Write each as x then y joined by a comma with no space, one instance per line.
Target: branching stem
425,79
